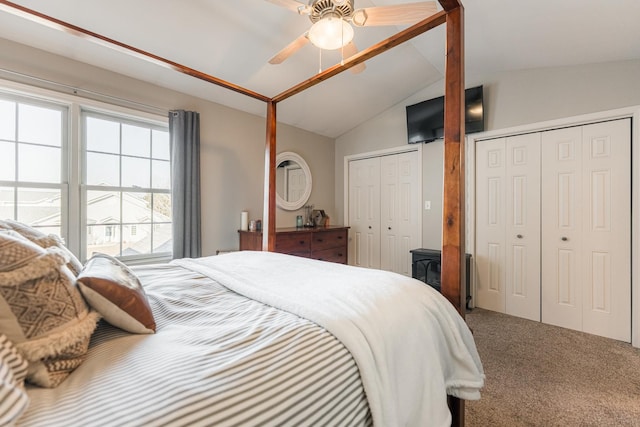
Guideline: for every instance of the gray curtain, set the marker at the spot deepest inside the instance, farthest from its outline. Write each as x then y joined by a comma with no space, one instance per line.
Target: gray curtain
184,130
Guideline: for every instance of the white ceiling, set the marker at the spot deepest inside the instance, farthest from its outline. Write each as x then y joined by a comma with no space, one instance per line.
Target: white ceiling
233,40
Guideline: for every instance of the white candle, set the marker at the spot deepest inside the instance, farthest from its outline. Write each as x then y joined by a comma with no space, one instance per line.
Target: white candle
244,220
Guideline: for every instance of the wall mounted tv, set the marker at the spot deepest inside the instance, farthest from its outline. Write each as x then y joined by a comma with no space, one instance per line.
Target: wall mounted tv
425,120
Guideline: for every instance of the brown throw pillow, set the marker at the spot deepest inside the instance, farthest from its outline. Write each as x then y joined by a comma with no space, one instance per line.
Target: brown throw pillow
43,240
41,310
115,292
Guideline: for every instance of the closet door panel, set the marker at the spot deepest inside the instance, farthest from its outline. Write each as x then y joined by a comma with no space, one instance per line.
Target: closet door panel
400,201
409,203
389,202
562,227
606,231
490,224
522,236
364,212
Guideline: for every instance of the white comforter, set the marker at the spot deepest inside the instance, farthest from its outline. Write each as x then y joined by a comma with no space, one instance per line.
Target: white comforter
410,344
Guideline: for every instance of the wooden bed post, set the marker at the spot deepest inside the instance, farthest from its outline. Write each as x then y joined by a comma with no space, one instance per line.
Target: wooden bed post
453,223
269,212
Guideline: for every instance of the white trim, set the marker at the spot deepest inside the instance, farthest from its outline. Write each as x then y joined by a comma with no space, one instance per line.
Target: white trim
632,112
65,99
62,88
470,213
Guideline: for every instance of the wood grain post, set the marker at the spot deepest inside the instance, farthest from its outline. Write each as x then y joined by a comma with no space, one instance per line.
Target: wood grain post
453,227
269,213
453,221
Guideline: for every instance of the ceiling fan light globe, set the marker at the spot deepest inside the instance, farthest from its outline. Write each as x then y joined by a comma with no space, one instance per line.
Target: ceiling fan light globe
359,17
330,33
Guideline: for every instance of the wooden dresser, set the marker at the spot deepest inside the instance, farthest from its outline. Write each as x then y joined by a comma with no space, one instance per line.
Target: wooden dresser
323,243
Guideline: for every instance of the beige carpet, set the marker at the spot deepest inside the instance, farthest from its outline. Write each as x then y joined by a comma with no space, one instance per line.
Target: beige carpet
541,375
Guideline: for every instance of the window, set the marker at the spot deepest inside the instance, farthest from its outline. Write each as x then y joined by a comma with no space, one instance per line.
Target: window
117,198
33,185
126,186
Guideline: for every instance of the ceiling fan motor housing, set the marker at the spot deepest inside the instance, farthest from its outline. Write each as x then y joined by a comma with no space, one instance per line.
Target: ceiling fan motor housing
322,8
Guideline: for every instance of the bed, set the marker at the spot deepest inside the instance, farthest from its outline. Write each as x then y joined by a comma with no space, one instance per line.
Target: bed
261,338
153,395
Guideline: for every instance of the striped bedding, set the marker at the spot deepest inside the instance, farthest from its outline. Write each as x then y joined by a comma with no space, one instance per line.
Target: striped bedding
217,359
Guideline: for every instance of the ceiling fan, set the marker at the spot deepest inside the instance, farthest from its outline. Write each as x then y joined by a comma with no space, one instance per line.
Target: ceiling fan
333,19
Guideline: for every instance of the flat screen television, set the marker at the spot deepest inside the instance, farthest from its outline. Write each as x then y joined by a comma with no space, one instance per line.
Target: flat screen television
425,120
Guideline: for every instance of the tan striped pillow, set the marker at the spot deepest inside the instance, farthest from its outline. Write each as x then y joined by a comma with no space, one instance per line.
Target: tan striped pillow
13,370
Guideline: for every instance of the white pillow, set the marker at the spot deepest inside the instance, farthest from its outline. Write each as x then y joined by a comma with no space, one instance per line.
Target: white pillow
114,291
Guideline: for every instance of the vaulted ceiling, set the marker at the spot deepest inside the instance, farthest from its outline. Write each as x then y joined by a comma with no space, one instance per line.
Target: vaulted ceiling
233,40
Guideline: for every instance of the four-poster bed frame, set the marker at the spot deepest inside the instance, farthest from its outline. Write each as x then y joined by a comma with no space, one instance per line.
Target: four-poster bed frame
453,235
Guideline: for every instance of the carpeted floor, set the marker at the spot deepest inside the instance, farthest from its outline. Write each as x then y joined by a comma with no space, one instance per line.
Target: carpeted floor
542,375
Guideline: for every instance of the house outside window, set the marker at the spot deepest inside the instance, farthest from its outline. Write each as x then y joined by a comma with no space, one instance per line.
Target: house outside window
127,185
106,188
33,147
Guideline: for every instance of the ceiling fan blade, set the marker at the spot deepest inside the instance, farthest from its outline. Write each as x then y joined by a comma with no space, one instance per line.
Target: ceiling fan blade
290,49
350,49
292,5
401,14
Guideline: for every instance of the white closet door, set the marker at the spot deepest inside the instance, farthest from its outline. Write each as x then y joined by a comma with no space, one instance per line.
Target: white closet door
522,238
562,227
389,212
490,224
400,207
606,238
364,212
586,262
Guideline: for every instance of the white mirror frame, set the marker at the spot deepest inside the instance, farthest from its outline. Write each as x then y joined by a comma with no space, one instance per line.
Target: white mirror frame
292,206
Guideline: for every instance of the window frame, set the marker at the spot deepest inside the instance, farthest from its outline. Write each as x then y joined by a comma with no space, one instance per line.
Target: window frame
73,209
86,113
64,184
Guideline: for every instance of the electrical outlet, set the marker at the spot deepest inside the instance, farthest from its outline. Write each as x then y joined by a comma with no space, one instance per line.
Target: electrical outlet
427,205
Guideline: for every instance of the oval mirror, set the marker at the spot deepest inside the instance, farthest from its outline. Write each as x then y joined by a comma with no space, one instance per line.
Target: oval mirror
293,181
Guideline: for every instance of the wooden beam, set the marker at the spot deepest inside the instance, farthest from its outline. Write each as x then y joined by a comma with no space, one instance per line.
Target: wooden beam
360,57
269,212
51,22
449,5
453,227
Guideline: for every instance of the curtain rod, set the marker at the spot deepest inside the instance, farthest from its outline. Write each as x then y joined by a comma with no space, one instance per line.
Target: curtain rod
86,93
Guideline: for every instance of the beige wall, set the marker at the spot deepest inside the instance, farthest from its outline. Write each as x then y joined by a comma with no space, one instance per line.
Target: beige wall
232,142
511,99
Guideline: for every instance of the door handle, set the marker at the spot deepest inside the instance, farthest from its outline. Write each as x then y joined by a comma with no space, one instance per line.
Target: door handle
369,227
564,239
389,228
519,236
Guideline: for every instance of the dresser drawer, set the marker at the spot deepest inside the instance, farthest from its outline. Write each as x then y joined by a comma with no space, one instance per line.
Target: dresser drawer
329,239
293,243
338,255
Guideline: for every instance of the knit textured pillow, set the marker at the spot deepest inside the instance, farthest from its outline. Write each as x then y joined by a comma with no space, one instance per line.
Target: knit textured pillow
42,240
115,292
41,310
13,369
